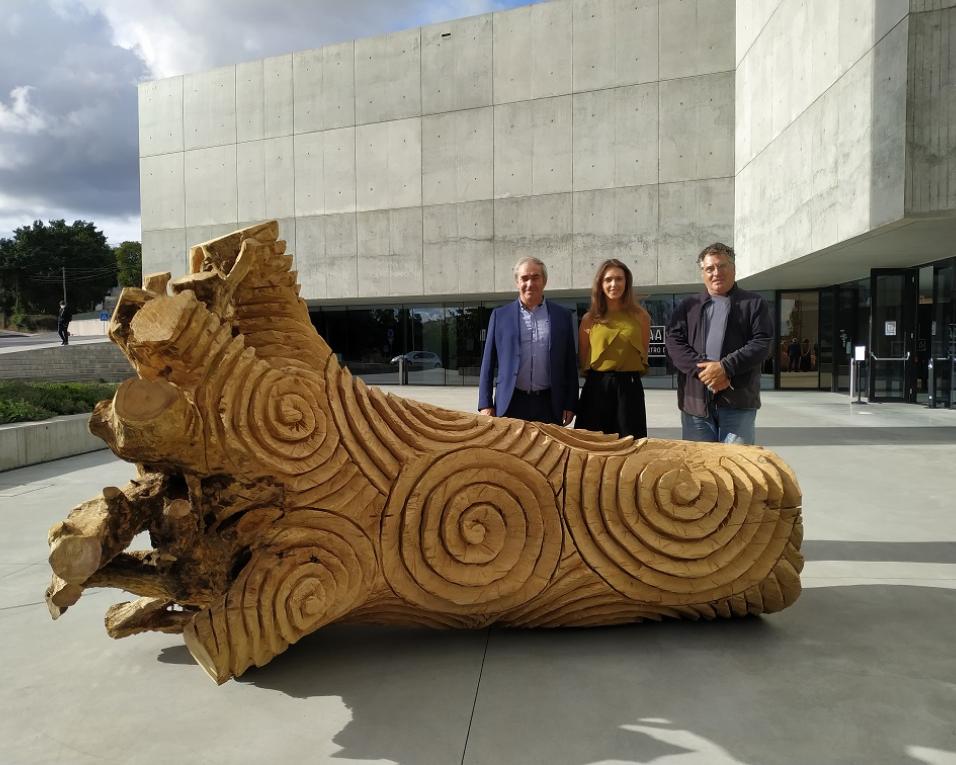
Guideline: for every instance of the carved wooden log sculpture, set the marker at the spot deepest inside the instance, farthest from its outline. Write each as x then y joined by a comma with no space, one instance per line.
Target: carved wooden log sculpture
281,493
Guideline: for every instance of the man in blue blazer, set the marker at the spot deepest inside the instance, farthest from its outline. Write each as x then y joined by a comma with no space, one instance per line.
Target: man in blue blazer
529,368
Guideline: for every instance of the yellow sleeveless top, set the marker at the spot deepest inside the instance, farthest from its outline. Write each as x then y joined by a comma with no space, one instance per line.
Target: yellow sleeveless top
617,344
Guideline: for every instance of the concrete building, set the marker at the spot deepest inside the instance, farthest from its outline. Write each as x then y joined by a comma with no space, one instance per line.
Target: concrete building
410,171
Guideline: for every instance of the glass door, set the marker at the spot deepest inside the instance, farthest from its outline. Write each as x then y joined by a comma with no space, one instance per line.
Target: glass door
924,334
943,335
892,351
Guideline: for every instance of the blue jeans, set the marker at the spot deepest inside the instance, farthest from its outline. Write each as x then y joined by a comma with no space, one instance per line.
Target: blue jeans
724,423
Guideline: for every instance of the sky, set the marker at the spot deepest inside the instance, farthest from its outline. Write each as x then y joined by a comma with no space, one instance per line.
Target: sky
69,70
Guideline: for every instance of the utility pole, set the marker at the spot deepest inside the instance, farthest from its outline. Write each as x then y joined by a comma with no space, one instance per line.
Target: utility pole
63,270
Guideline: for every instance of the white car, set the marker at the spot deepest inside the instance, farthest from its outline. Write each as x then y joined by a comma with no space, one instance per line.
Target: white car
420,360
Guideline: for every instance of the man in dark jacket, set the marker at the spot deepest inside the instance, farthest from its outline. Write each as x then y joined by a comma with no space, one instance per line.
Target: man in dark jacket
63,323
529,367
719,340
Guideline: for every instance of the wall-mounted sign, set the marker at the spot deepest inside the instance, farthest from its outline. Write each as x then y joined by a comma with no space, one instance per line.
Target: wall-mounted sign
889,328
859,353
656,349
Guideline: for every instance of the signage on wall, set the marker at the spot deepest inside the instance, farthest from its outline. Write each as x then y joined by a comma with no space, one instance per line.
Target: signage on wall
889,329
656,349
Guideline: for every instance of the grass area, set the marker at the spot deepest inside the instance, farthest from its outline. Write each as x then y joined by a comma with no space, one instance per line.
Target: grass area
30,401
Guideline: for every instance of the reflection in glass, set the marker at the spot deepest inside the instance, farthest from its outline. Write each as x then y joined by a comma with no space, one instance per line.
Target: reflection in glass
943,332
798,351
922,346
851,298
888,341
659,372
442,344
467,322
364,339
829,350
428,353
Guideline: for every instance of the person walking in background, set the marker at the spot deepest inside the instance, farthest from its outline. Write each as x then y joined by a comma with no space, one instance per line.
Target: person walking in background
718,340
613,342
528,367
63,323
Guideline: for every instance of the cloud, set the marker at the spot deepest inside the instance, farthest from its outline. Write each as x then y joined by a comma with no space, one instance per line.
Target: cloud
68,135
180,36
69,71
20,116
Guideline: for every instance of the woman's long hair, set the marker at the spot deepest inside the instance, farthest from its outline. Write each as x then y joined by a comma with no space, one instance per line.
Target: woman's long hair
598,309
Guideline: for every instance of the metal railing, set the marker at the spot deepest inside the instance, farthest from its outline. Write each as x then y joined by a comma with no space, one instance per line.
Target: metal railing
890,358
900,359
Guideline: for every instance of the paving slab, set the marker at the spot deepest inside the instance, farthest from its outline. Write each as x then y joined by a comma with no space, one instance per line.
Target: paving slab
862,669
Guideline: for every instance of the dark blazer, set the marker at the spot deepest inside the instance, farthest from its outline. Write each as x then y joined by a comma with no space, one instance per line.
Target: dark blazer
747,344
499,361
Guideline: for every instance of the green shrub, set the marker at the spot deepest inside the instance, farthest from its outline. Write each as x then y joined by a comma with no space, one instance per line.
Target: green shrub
21,411
26,401
23,322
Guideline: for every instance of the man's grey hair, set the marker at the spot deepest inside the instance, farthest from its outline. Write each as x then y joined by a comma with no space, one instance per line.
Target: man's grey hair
717,248
530,259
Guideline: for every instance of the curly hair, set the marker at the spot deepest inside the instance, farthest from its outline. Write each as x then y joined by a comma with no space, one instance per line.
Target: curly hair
717,248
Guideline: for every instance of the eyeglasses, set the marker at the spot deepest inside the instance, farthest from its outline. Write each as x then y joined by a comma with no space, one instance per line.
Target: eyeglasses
711,270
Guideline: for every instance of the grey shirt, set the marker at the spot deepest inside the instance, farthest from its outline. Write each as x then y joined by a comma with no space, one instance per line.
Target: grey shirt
715,315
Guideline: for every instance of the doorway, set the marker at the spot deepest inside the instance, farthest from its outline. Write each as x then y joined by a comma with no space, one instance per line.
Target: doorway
894,359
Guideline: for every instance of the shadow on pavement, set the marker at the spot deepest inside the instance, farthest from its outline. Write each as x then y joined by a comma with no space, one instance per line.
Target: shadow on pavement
908,552
847,675
58,468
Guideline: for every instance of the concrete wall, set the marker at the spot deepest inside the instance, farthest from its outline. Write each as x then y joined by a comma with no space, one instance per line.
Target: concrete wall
931,113
423,163
820,145
28,443
86,362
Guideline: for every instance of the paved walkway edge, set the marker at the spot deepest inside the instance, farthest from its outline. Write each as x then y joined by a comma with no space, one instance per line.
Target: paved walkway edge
28,443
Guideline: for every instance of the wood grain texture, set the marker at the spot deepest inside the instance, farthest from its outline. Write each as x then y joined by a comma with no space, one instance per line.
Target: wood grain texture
282,494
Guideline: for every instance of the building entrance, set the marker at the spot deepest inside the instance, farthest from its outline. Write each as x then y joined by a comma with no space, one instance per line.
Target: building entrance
894,358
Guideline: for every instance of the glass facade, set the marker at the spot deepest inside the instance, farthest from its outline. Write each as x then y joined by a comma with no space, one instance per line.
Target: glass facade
942,377
892,313
442,343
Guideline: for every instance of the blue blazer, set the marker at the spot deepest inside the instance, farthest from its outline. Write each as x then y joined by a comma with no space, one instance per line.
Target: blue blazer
499,361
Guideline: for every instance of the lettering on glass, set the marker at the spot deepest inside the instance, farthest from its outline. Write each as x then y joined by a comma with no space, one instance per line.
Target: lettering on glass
657,342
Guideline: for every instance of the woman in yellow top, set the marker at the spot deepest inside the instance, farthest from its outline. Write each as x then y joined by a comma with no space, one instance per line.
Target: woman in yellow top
613,344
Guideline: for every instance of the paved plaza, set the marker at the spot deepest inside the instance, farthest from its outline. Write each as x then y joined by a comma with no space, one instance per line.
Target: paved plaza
862,669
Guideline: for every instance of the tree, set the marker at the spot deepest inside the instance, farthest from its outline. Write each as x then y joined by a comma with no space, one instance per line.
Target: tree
38,260
129,264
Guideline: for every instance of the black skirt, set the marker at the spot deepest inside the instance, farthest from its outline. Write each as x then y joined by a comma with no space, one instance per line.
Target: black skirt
613,402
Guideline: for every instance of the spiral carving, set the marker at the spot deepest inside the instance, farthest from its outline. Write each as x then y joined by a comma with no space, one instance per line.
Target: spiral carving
289,494
315,567
280,416
674,527
474,531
